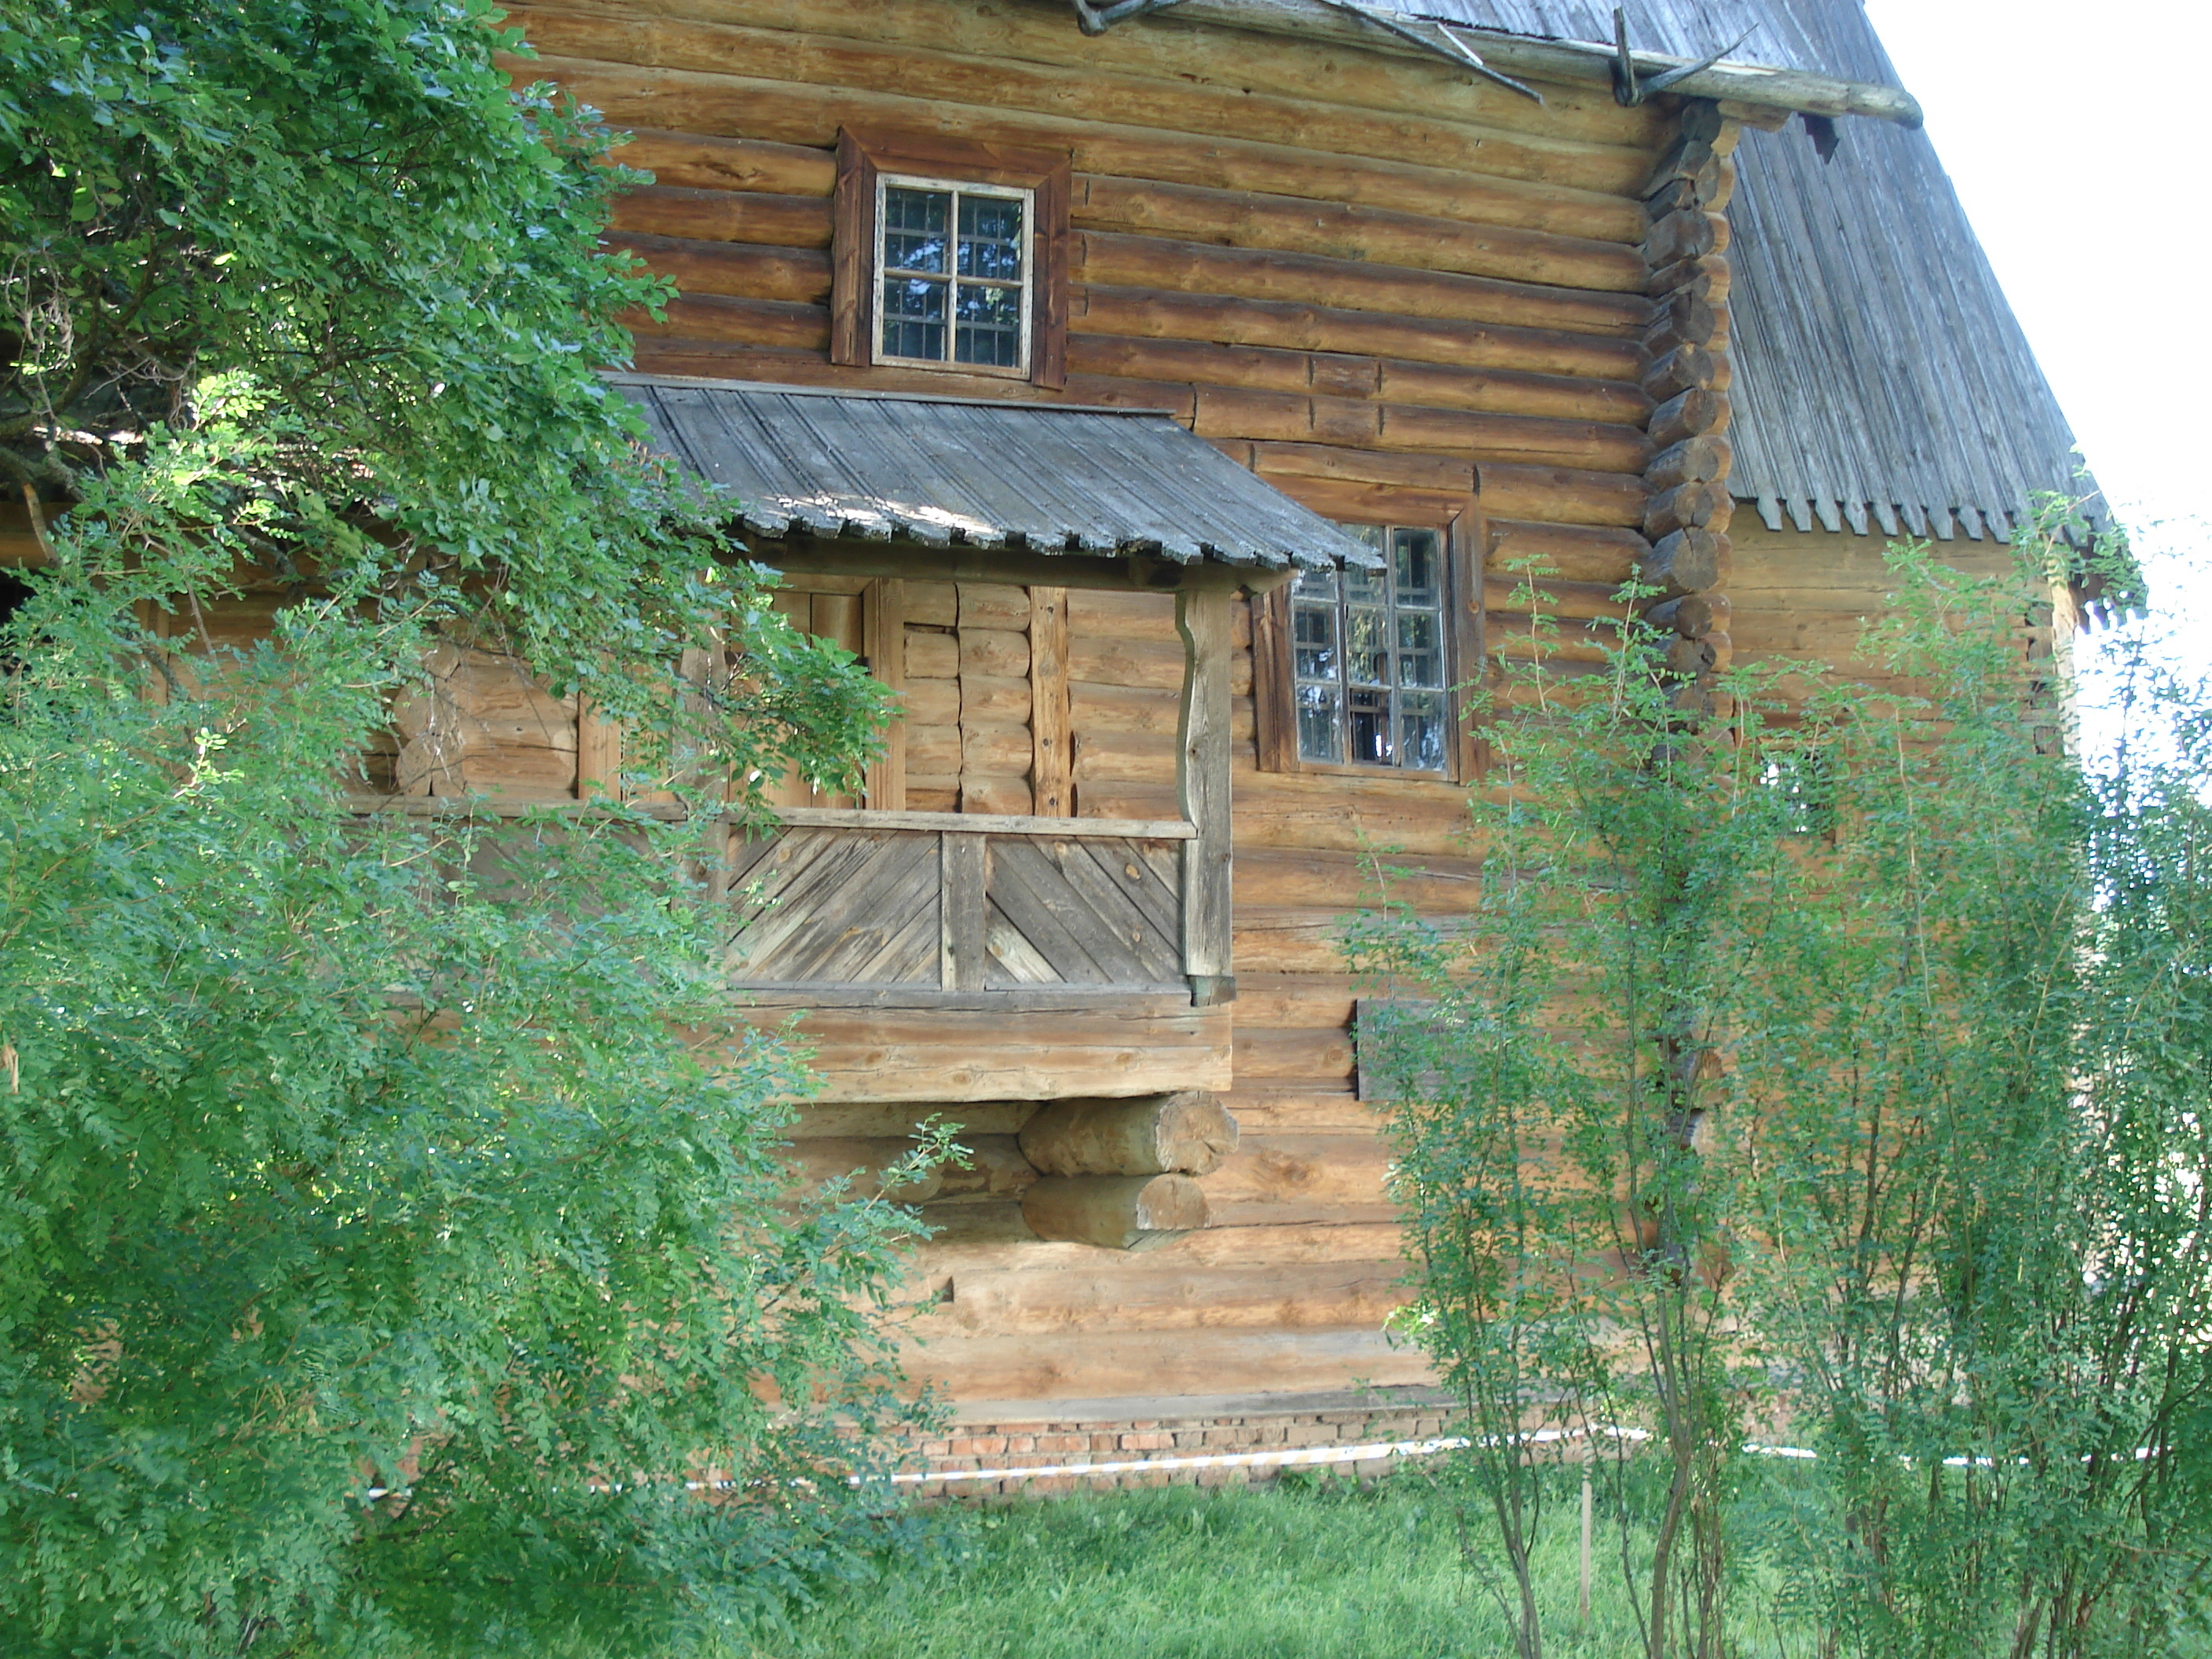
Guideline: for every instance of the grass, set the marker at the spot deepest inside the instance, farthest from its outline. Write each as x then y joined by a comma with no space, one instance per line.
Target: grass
1319,1569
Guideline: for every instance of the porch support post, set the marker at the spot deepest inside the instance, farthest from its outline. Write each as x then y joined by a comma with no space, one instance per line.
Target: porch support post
1202,783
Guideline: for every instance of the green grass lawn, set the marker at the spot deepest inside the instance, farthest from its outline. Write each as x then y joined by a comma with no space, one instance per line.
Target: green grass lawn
1324,1570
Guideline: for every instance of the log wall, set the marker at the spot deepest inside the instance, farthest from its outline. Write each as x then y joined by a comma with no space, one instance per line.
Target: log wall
1382,283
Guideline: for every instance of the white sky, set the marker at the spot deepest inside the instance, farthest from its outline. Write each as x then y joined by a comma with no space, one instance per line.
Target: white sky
2077,136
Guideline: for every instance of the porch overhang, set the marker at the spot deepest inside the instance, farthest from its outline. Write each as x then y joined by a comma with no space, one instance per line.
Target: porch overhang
1108,496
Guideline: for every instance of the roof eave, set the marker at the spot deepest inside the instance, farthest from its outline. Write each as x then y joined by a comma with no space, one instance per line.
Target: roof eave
1759,86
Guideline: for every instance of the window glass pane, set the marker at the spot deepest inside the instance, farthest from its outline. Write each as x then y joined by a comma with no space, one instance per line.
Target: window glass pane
1313,638
1367,645
1370,727
1367,586
1420,648
1321,723
1421,731
1415,563
1314,585
990,238
914,223
989,328
913,317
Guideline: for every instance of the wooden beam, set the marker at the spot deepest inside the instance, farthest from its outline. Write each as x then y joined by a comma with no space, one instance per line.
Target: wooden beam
1203,786
1051,740
1117,1212
1189,1133
883,632
964,913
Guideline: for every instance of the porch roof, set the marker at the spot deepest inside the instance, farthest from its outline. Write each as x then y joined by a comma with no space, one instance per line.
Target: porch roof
951,471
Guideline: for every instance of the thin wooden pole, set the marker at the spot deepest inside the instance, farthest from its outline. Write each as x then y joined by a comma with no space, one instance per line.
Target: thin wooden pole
1586,1548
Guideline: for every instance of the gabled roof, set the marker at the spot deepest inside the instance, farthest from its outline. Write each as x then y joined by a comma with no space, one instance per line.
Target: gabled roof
1879,372
945,472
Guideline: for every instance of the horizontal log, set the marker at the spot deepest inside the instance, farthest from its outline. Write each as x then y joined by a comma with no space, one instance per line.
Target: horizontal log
1692,616
1317,1173
981,1372
1685,235
1304,1055
930,702
1268,877
741,271
1347,230
1112,1296
893,80
1151,262
1686,368
1145,312
1354,74
1126,756
1521,637
1563,494
1374,503
1693,413
862,1163
1126,616
1687,561
712,319
1227,413
933,750
1582,601
930,655
1694,460
691,162
1705,278
1269,1247
1683,319
1116,1213
1276,809
725,215
1115,1046
998,699
1002,751
994,605
899,1120
1688,506
1444,475
1136,663
1187,1133
1274,369
1120,710
1010,796
1576,553
994,651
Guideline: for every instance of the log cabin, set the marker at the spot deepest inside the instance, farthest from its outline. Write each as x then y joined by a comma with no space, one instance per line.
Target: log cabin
1168,400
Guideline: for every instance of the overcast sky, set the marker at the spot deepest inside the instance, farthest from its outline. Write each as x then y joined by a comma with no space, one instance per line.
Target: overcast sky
2077,136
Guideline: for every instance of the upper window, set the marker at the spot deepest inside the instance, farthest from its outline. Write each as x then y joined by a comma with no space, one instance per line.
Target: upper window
950,256
1369,659
953,274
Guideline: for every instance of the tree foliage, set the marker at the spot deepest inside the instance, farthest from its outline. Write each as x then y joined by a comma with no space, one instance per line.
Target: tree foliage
1847,1073
389,1228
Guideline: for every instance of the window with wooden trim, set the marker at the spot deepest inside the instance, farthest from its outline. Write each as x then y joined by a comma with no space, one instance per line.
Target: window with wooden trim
950,256
1355,669
952,274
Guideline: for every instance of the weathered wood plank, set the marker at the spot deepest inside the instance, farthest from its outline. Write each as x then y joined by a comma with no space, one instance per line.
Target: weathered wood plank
965,949
1051,738
1202,783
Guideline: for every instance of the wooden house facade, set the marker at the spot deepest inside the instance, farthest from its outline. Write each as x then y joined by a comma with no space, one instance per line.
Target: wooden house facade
1162,398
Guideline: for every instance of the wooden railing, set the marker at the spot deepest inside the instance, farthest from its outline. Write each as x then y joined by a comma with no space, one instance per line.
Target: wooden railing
961,903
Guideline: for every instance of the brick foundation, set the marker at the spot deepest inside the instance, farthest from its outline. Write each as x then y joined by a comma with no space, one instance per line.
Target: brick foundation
1065,1445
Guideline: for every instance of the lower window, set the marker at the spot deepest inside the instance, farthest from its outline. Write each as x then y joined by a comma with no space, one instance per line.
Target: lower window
1370,656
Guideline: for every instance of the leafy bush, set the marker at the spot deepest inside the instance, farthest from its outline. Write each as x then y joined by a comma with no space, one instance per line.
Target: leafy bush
1838,1071
391,1234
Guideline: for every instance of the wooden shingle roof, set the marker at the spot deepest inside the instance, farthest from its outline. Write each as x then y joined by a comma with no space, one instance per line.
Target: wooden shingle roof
1880,375
945,471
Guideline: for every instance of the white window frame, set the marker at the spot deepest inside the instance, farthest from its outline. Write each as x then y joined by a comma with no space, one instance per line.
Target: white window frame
878,269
